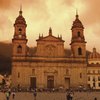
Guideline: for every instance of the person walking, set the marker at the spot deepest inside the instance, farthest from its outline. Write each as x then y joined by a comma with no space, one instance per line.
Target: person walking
7,95
9,91
13,95
71,95
68,96
35,94
95,98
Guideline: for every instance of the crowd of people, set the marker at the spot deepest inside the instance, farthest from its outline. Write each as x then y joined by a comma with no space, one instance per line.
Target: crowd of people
70,96
9,93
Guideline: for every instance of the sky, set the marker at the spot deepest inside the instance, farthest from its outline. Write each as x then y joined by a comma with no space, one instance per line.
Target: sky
57,14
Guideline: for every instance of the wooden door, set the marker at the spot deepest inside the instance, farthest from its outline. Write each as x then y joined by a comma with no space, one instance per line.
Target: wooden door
67,83
33,82
50,82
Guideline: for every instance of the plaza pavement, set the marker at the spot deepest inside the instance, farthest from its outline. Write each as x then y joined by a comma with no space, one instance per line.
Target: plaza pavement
53,96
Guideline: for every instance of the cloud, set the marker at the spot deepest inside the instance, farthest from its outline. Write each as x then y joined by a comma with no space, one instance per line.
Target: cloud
5,28
42,14
5,4
92,12
5,24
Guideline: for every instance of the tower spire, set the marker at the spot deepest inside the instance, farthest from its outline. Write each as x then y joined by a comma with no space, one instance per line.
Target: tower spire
77,14
20,12
60,36
94,49
50,31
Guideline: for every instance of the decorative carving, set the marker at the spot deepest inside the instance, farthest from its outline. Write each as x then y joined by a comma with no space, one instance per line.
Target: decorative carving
50,50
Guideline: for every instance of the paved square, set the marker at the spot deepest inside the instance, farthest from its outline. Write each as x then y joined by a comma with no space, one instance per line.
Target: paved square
53,96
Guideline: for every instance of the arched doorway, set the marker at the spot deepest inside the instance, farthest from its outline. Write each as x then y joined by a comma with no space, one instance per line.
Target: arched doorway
33,82
50,82
67,82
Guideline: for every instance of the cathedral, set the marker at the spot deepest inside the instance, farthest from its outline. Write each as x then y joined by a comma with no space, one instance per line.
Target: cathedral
49,67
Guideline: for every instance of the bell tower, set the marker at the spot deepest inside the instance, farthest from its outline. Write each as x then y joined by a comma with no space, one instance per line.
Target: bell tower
19,40
78,43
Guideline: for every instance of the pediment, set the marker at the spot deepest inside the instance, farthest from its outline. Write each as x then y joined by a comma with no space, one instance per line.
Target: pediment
50,38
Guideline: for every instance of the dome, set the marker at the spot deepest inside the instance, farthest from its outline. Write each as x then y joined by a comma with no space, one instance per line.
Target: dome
20,19
77,23
94,54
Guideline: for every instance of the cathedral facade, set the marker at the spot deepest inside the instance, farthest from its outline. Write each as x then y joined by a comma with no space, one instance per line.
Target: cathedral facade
49,67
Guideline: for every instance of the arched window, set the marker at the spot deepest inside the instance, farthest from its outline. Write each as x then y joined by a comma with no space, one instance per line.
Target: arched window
19,49
80,75
79,51
18,75
98,78
88,78
20,30
97,63
78,34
